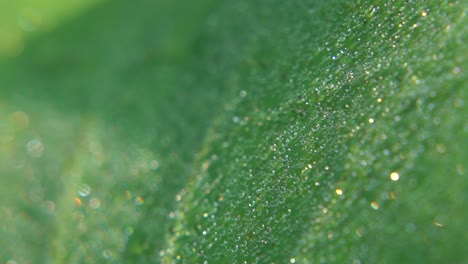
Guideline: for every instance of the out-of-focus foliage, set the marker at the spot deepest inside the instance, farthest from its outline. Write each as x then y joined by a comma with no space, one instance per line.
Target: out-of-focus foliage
238,131
22,19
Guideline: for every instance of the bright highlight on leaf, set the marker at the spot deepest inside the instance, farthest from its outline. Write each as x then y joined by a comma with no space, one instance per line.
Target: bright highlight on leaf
339,191
394,176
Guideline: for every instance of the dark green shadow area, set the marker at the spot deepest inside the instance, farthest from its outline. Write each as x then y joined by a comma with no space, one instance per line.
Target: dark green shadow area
117,100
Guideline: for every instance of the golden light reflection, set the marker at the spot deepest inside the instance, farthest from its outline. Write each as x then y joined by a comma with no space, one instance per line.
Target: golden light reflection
206,165
139,200
375,205
394,176
339,191
77,201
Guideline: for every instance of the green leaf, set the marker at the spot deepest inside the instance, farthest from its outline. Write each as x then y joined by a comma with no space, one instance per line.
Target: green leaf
238,132
347,143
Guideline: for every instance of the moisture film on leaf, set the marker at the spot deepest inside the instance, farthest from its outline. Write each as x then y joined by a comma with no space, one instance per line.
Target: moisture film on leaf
233,132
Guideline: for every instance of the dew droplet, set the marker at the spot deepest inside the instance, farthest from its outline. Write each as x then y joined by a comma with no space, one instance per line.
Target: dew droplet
316,128
154,164
35,148
95,203
107,254
49,206
235,248
84,190
394,176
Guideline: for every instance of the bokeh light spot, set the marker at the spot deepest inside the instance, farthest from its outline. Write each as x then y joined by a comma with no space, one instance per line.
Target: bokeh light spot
394,176
35,148
375,205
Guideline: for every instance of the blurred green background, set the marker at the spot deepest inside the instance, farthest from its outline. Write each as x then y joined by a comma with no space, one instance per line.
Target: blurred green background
102,111
22,19
192,131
